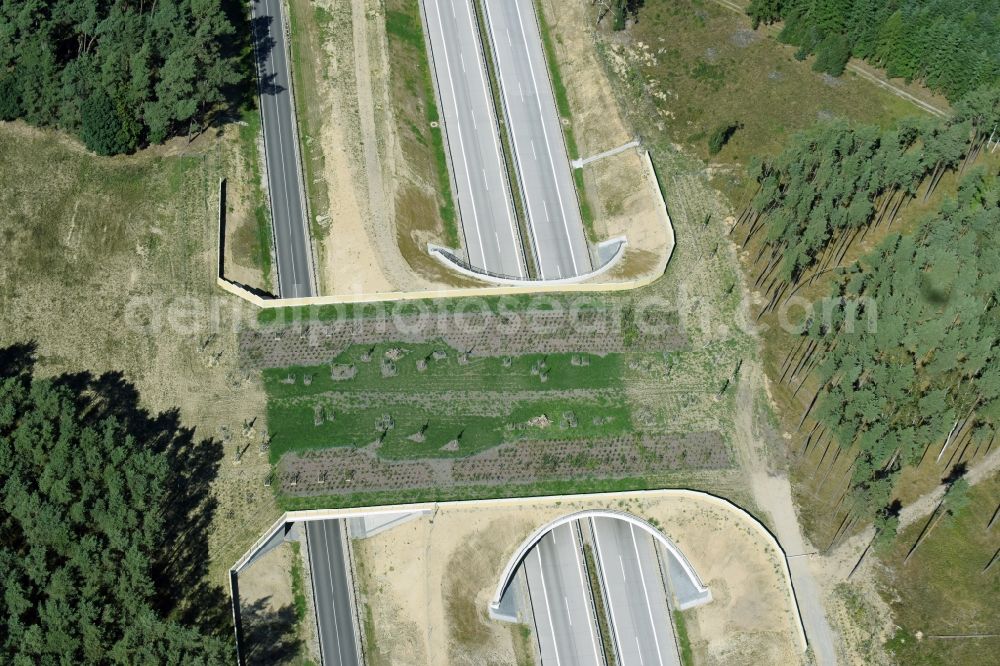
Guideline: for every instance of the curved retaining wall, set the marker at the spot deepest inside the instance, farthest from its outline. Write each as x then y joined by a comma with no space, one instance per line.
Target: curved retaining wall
447,257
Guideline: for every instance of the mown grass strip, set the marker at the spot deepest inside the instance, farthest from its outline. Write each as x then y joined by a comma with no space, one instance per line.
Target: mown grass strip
683,639
471,492
514,303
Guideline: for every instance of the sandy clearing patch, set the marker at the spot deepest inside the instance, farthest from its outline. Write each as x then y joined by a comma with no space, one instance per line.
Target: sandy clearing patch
348,257
598,125
269,579
626,199
440,571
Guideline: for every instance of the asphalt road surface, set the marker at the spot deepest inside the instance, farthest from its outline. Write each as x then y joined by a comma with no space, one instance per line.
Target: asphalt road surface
561,602
539,153
331,593
634,593
284,175
470,124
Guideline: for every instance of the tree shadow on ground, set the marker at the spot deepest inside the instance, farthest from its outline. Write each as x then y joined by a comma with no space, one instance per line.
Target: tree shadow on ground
269,636
249,37
183,592
17,359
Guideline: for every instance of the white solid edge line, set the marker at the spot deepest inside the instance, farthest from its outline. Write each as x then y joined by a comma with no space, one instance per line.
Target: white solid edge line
496,148
461,142
548,606
645,593
333,606
281,156
545,133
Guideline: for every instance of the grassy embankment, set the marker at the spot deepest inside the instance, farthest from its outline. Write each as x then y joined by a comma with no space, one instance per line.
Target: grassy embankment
122,248
690,66
299,597
418,127
252,238
683,639
308,26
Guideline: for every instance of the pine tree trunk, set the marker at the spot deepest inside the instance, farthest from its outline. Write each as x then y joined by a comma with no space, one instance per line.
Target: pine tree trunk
759,220
810,349
847,246
895,211
994,518
836,534
809,408
833,465
823,457
946,442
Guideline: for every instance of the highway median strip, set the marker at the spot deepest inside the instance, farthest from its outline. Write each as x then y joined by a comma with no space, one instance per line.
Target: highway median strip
506,145
602,614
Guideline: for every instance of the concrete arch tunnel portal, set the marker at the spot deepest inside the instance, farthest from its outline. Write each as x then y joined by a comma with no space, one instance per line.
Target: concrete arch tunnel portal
594,568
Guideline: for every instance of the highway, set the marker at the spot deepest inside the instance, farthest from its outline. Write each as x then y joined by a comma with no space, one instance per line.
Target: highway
561,601
470,125
540,156
331,593
284,173
634,594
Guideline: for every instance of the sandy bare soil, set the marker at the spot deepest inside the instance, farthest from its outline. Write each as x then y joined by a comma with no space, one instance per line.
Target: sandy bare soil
428,582
268,580
627,203
349,259
621,190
